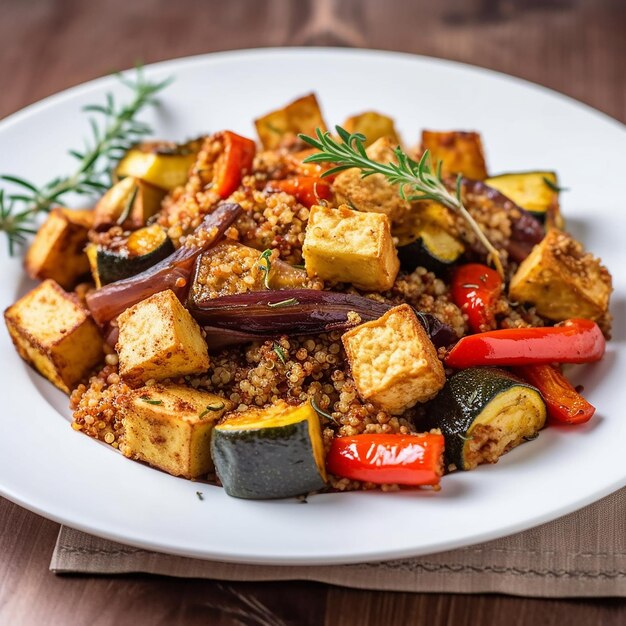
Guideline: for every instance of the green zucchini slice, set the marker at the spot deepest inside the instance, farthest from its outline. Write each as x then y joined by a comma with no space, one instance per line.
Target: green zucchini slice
143,249
484,412
537,192
275,452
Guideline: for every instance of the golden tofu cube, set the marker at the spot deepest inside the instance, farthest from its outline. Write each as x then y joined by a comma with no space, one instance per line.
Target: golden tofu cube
561,280
159,339
373,125
57,251
461,152
55,334
372,194
394,363
300,116
341,245
169,427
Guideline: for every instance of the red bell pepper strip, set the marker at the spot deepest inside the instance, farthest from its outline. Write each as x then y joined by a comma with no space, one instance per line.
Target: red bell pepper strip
564,403
234,161
308,190
475,289
573,341
381,459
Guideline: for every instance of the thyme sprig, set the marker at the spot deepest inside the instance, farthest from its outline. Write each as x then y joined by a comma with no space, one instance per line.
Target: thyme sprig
416,180
117,130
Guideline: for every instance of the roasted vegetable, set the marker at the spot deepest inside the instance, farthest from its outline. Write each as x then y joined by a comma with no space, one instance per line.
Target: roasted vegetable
57,249
393,361
174,272
388,459
307,190
276,452
561,280
483,412
298,312
475,289
565,404
129,203
373,126
573,341
234,162
144,248
55,334
163,164
300,116
159,339
342,245
461,152
169,427
537,192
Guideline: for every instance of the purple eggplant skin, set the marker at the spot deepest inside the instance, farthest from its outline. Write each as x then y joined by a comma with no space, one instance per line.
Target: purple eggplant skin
262,315
526,231
173,272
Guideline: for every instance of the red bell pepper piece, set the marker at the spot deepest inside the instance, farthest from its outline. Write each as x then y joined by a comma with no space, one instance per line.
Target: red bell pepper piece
573,341
564,403
475,289
234,161
381,459
308,190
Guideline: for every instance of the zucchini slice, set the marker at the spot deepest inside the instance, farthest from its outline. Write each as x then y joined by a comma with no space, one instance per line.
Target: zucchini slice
143,249
426,241
160,163
275,452
534,191
484,412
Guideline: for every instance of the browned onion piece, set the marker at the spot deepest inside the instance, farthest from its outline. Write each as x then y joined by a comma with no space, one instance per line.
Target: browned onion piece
260,315
173,273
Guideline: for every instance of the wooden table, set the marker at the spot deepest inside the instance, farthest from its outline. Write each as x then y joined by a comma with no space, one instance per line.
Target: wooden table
576,47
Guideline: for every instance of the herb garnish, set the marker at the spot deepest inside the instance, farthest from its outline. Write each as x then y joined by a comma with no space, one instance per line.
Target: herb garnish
323,413
200,496
265,258
119,130
216,406
464,437
417,180
554,187
280,352
288,302
149,400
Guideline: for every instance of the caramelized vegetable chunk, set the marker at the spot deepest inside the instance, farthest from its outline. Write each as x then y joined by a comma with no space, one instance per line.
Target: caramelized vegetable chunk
373,125
461,152
393,361
342,245
159,339
170,426
55,334
561,280
57,251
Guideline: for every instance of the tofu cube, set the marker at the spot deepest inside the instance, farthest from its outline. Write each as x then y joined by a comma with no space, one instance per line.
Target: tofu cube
561,280
394,363
169,427
57,251
342,245
372,194
55,334
159,339
461,152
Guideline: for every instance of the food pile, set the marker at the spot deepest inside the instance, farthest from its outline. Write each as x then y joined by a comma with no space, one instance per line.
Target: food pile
314,311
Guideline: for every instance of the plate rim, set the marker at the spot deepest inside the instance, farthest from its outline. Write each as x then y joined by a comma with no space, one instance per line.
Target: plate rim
373,555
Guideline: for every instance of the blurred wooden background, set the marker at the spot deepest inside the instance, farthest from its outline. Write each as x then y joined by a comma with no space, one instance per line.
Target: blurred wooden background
577,47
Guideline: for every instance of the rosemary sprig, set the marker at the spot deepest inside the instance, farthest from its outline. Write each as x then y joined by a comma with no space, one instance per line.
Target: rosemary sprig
266,266
119,130
416,180
280,353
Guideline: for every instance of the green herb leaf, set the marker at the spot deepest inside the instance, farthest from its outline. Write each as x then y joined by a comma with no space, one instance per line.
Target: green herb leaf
199,495
282,303
280,352
323,413
216,406
416,181
554,187
149,400
266,266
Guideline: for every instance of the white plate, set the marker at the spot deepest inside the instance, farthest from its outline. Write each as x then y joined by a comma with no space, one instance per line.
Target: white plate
48,468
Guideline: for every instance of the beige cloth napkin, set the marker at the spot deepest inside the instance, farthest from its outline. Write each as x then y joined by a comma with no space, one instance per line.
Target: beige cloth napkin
582,554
